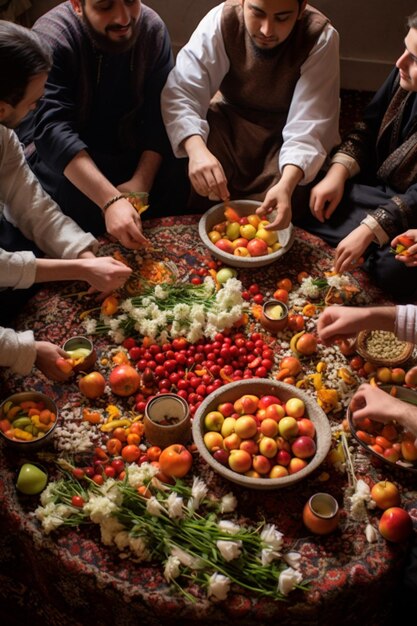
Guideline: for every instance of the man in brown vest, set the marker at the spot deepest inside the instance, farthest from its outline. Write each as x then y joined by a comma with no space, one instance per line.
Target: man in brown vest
273,67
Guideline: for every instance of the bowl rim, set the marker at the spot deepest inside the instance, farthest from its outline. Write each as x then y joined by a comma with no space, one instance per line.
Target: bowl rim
396,465
265,259
263,483
28,395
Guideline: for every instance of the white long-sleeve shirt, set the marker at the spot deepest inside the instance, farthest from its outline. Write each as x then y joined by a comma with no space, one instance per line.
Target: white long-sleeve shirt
406,322
40,219
312,126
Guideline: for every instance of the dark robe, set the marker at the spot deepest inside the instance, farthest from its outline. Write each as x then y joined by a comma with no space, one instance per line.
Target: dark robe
385,146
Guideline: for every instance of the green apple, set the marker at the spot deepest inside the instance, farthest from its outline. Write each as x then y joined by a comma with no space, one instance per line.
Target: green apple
224,274
31,480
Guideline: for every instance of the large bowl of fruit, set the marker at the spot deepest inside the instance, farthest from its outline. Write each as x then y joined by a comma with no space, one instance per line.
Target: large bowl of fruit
236,235
261,434
389,443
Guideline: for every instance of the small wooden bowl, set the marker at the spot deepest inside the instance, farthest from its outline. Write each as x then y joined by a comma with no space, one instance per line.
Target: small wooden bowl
361,347
270,323
163,407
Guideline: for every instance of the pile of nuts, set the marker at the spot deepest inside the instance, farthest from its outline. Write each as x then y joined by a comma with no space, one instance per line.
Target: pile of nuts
382,344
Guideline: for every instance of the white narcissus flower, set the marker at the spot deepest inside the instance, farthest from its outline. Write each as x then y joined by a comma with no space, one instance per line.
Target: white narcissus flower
371,533
99,507
292,559
228,503
229,549
272,537
139,548
199,491
160,293
360,500
219,586
110,527
138,475
186,559
229,527
268,555
48,494
154,507
90,326
172,568
288,579
175,506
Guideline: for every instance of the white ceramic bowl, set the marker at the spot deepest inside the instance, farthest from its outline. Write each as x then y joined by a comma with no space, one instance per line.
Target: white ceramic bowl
262,387
215,215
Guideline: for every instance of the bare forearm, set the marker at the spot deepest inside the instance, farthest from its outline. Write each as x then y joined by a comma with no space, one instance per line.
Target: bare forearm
291,176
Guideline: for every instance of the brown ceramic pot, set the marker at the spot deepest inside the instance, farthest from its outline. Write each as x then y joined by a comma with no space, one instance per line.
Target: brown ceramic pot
321,514
167,420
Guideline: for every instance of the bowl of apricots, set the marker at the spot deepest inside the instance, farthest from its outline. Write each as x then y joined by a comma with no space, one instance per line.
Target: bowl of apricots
236,235
389,443
27,420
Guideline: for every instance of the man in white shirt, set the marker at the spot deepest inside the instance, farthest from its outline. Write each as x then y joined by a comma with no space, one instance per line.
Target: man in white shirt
33,224
275,66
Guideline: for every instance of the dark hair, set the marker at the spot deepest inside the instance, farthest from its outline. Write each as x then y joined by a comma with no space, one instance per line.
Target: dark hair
412,20
22,56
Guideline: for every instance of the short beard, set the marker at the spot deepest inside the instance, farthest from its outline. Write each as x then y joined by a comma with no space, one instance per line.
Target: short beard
105,44
265,53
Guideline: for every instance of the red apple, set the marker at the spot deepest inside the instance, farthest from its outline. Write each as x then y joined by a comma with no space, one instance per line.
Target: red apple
124,380
247,404
385,494
283,457
175,460
303,447
222,457
226,409
395,524
265,401
92,385
257,247
225,245
306,427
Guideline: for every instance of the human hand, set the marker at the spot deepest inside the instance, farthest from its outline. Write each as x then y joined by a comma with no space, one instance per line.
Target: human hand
104,273
206,173
327,194
46,356
351,248
374,403
408,256
123,222
337,322
277,198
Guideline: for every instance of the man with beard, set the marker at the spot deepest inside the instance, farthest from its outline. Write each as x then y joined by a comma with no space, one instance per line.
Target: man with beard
98,134
275,67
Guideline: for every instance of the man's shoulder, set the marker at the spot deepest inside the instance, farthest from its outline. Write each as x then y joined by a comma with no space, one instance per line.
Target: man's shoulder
58,24
151,20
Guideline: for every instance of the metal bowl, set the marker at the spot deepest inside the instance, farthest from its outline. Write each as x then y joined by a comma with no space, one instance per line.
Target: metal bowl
261,387
215,215
25,396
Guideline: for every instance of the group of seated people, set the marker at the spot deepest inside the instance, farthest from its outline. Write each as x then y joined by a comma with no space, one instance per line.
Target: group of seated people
251,108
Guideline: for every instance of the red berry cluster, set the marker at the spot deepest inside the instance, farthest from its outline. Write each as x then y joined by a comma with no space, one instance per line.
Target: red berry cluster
195,370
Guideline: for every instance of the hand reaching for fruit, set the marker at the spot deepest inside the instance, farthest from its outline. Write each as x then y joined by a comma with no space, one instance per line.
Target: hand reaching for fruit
375,404
47,355
405,247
